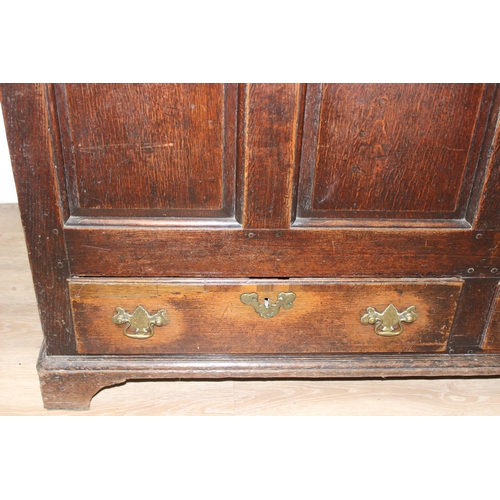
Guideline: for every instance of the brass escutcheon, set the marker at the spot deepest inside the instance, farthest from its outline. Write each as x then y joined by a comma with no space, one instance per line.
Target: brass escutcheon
390,322
140,320
266,309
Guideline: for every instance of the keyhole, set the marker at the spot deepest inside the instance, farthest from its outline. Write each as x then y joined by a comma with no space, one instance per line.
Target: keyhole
266,302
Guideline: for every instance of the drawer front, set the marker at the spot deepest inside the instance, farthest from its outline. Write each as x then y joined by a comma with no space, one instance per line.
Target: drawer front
262,316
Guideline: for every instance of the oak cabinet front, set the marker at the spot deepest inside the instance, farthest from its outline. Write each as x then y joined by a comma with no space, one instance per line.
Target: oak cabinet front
284,230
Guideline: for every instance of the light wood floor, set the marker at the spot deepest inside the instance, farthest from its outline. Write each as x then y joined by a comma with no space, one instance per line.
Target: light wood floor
21,336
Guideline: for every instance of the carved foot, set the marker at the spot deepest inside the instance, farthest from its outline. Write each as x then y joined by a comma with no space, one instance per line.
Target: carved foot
66,389
72,390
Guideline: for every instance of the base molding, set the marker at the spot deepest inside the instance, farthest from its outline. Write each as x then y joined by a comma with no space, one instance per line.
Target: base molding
70,382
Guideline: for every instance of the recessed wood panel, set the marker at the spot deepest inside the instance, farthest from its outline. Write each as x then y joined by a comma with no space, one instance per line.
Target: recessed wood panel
208,316
389,150
488,210
149,149
492,338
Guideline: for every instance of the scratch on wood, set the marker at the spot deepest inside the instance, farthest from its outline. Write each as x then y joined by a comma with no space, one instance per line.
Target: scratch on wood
98,248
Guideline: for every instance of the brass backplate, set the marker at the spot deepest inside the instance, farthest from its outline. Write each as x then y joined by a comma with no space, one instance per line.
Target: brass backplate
266,309
140,320
390,322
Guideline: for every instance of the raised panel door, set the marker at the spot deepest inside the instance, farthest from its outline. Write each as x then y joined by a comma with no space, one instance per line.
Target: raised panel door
148,150
391,153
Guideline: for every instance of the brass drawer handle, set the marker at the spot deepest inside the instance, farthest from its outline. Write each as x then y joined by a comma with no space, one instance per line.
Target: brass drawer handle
390,322
266,309
140,320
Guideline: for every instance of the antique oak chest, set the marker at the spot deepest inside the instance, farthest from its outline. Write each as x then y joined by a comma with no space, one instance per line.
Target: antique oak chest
183,231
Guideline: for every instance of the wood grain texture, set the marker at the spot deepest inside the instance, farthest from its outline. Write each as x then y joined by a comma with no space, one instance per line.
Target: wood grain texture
67,199
208,316
112,241
286,253
488,209
31,152
149,149
66,389
70,373
388,397
390,150
491,342
471,319
269,154
21,336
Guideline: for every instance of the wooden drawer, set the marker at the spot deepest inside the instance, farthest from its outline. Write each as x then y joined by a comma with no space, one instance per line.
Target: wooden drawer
208,316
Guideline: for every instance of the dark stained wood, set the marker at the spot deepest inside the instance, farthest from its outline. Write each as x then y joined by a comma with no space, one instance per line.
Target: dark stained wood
397,193
149,149
208,317
66,389
473,313
390,151
488,211
240,151
270,153
57,152
491,341
157,222
284,253
486,117
382,223
30,145
71,390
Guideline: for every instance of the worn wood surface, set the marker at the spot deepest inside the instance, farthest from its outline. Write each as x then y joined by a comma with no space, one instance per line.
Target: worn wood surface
269,132
470,323
491,342
149,149
269,154
390,150
31,152
208,317
70,382
285,253
21,336
488,209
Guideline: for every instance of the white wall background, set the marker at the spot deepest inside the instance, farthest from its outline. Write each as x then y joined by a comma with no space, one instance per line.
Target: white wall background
7,186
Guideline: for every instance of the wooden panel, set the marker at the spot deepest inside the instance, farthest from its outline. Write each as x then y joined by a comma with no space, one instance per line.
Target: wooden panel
30,143
472,316
488,213
269,154
284,253
149,149
67,379
208,316
492,338
390,150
